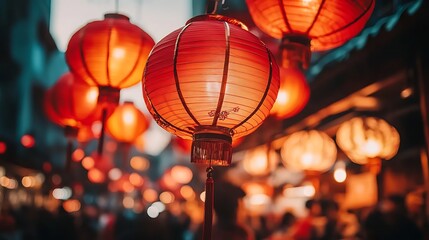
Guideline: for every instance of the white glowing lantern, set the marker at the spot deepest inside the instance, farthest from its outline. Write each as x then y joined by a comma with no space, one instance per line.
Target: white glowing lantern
365,138
260,161
309,151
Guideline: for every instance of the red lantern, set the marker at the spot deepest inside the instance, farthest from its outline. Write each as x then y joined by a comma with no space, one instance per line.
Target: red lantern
293,95
327,24
212,81
304,26
110,54
126,123
71,103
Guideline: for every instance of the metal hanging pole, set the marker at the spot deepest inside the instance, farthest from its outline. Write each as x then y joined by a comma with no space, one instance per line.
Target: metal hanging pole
116,6
424,102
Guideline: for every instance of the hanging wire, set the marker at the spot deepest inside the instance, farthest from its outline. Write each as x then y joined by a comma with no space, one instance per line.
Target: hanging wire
212,6
116,6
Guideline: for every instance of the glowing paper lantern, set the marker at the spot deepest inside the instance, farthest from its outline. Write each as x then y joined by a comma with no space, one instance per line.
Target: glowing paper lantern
305,26
110,54
364,138
309,151
126,123
210,81
260,161
72,104
327,24
293,95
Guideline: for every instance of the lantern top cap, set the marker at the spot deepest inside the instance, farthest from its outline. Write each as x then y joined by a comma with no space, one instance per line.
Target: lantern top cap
216,17
116,16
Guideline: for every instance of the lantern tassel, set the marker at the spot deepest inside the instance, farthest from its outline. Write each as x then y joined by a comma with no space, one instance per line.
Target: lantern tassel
208,206
103,126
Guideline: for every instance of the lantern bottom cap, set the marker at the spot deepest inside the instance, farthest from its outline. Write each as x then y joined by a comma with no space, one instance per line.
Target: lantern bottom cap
211,146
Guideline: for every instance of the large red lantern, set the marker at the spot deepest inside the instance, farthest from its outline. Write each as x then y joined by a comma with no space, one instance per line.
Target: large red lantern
211,81
293,95
110,54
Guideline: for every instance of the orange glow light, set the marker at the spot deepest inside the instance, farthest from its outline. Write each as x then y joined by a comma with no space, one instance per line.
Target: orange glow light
78,155
150,195
181,174
88,162
96,176
28,141
71,205
139,163
136,180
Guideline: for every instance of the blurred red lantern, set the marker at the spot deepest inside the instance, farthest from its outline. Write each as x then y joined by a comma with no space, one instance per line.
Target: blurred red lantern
212,81
72,104
110,54
309,151
126,123
327,24
313,152
293,95
306,26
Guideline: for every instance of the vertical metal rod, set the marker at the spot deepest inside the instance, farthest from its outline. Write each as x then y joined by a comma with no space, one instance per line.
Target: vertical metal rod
425,171
103,127
208,205
424,112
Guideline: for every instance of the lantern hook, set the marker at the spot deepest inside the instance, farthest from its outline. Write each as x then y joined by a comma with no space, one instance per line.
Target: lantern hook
212,6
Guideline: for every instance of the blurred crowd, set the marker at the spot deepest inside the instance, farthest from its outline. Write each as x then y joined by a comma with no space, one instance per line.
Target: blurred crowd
324,219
